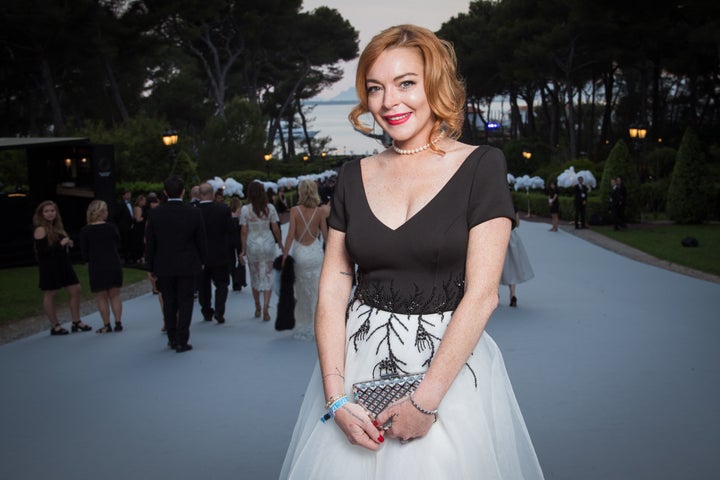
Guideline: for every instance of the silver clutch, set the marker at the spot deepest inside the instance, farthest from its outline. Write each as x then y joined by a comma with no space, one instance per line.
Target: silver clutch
375,395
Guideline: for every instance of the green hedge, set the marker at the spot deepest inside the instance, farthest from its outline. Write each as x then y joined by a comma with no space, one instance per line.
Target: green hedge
597,211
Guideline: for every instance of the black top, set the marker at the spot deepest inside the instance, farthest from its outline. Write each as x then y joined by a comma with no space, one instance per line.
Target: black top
99,247
56,271
420,266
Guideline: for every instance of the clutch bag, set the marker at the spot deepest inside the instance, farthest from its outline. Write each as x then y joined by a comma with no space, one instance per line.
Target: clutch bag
375,395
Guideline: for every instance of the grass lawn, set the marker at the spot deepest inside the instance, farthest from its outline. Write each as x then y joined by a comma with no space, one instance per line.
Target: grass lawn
20,296
663,241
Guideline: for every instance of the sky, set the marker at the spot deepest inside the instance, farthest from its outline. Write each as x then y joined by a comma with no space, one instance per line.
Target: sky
369,17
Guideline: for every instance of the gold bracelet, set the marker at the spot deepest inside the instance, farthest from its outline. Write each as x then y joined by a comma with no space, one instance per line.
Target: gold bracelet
333,399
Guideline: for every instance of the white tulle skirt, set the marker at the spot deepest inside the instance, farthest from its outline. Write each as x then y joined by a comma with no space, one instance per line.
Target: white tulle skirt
480,433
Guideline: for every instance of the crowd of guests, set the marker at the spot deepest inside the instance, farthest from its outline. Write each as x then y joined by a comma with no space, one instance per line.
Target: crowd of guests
194,249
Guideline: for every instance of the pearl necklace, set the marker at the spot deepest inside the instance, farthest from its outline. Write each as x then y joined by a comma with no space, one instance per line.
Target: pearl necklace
413,151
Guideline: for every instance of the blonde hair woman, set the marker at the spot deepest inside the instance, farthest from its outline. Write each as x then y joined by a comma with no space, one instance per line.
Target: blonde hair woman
308,221
99,244
52,245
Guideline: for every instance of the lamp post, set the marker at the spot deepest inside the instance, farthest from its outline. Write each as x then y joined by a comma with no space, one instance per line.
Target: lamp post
267,157
170,139
527,155
305,160
637,136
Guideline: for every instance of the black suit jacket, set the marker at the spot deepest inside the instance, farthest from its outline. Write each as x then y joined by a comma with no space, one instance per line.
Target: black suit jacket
175,241
123,218
580,193
219,229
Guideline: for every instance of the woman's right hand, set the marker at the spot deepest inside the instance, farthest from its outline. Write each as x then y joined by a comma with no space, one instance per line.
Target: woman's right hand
359,428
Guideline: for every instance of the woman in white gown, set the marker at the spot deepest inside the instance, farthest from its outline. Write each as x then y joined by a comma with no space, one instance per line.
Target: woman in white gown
427,223
260,235
308,220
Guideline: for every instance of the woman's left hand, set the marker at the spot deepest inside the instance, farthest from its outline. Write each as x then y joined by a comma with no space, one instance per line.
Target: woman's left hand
403,421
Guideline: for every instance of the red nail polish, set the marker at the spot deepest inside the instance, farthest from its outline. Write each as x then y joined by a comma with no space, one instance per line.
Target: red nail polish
375,423
381,439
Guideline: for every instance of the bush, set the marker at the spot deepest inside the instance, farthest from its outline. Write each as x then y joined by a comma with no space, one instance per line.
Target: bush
652,196
140,187
689,186
620,164
538,201
661,161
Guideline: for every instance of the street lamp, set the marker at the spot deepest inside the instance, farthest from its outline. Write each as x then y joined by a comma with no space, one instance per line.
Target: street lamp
170,139
527,155
267,157
637,135
637,132
305,159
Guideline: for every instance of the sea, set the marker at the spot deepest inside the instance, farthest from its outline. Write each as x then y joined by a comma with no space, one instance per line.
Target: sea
330,119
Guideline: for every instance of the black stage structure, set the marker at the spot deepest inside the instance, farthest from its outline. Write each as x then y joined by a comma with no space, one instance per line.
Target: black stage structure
70,171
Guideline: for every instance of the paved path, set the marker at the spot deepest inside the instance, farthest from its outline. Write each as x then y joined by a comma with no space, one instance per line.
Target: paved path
614,362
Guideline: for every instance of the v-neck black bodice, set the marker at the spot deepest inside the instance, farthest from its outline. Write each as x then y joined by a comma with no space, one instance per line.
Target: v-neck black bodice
420,266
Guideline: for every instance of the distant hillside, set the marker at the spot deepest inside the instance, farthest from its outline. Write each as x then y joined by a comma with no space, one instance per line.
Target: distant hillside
346,96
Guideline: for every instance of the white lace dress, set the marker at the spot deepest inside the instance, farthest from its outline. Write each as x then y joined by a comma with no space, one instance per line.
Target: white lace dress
261,248
308,262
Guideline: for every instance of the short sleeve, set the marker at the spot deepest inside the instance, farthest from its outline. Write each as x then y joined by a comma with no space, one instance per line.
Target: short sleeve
337,219
272,213
489,195
243,215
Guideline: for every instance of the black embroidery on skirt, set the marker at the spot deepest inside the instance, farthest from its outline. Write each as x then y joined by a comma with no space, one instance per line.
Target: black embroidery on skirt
384,296
379,296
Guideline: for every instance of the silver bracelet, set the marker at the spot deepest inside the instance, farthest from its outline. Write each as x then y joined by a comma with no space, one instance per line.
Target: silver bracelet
434,413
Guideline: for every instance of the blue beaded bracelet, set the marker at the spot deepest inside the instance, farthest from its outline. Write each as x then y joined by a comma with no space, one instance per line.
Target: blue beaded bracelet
334,407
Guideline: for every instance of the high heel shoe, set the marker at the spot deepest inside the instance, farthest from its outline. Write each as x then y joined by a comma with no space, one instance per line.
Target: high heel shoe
80,327
266,315
258,312
104,329
118,327
513,301
57,329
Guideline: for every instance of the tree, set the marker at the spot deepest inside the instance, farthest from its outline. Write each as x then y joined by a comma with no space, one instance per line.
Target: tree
689,186
315,43
232,142
620,164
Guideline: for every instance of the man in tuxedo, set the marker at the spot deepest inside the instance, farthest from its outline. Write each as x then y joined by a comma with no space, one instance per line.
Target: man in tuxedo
580,193
218,230
175,251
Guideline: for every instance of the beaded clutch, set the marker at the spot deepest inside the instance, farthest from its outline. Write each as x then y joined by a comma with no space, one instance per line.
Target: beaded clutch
375,395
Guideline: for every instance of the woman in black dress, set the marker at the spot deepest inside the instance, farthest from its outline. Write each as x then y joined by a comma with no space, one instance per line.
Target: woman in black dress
99,243
51,249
